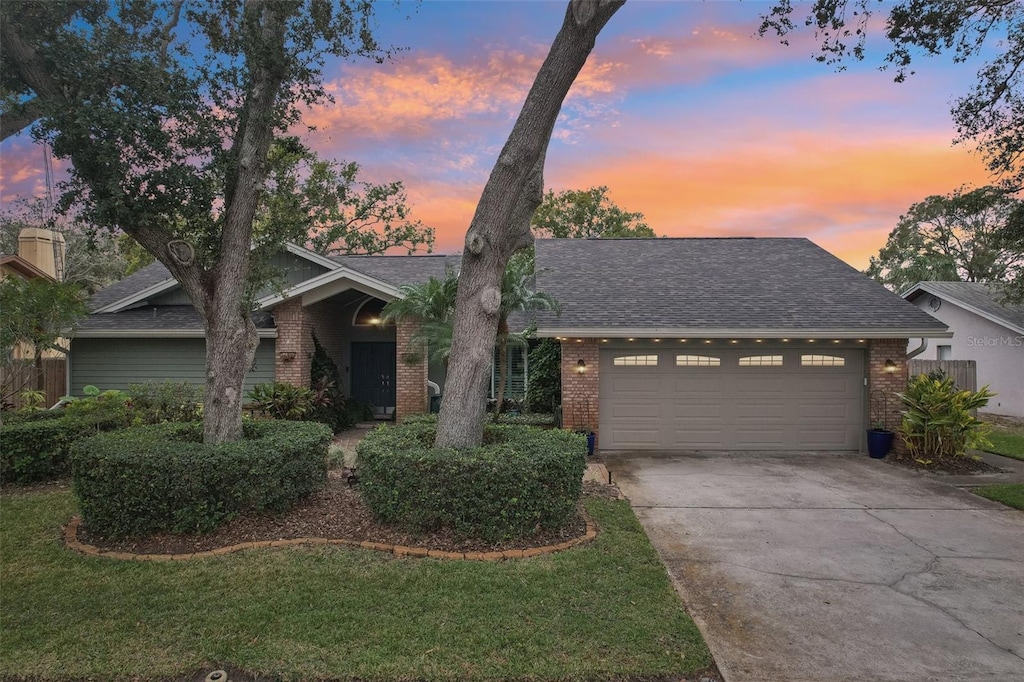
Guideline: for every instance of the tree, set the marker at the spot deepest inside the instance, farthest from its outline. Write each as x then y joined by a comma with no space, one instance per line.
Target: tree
992,113
324,205
432,304
168,113
950,238
501,223
35,311
584,214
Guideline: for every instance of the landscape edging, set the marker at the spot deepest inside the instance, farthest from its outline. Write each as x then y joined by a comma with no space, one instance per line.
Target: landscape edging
71,541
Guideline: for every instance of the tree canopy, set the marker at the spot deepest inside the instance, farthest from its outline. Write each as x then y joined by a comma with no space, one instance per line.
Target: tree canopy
168,112
991,114
585,214
956,237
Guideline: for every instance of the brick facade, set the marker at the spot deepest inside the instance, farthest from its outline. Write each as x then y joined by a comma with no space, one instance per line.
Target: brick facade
580,390
294,347
411,372
883,405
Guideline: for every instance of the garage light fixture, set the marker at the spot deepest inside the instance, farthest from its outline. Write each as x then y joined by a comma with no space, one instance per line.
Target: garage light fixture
734,341
707,341
682,340
890,367
785,340
581,366
657,340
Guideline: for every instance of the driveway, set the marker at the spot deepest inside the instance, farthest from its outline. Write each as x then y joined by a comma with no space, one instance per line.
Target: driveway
835,567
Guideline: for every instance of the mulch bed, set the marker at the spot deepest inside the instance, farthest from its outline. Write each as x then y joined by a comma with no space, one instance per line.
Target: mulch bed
957,466
336,512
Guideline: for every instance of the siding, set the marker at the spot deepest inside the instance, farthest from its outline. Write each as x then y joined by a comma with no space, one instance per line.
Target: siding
116,363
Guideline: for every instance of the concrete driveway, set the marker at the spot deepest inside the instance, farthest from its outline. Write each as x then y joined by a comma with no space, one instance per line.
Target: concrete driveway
835,567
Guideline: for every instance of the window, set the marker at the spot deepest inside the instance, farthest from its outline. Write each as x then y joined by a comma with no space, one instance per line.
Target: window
761,361
697,361
635,361
943,352
822,361
370,313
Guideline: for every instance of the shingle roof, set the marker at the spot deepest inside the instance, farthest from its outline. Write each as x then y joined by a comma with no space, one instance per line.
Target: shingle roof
982,297
153,273
399,270
155,318
664,285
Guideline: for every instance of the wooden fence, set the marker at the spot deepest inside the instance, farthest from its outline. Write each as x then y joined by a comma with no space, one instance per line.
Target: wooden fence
964,372
21,376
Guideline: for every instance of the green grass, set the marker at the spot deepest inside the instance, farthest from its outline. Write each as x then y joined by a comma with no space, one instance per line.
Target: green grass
1007,441
602,611
1012,495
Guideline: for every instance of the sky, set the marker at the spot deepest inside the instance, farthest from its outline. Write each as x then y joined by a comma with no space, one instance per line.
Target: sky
681,111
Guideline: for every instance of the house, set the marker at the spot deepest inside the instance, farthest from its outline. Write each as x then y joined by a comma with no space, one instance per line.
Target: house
724,344
985,330
144,328
737,344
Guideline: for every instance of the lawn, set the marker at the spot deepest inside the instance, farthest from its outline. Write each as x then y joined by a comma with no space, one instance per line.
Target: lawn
602,611
1007,441
1012,495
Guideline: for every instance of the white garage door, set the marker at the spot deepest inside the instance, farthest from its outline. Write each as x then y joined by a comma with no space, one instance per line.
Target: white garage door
731,399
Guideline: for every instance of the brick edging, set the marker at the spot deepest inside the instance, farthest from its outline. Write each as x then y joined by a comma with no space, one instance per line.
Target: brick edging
72,542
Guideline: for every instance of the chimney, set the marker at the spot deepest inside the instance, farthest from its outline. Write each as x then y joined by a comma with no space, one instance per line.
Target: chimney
43,249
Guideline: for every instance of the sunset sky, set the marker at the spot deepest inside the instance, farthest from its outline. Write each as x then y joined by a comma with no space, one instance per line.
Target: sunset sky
681,111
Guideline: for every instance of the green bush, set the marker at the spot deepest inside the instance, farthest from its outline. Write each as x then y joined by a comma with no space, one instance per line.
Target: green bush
36,444
544,389
168,401
937,421
522,481
281,400
162,477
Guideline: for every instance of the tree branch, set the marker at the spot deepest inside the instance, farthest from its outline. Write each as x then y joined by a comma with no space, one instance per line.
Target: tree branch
19,117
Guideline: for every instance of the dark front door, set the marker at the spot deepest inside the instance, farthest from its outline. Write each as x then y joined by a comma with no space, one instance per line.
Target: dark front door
373,374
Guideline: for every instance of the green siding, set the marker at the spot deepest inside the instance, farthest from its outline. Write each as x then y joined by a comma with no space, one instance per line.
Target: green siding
116,363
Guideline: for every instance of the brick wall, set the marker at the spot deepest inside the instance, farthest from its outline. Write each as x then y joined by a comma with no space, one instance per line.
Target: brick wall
294,347
889,383
325,318
580,390
411,379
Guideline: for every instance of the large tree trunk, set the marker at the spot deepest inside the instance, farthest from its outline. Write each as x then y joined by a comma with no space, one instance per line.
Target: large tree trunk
501,224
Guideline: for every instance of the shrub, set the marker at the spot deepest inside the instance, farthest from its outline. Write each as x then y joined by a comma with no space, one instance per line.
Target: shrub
162,477
937,421
282,401
544,389
153,403
36,444
523,480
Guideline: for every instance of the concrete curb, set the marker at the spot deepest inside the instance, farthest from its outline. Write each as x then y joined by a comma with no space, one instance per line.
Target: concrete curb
72,542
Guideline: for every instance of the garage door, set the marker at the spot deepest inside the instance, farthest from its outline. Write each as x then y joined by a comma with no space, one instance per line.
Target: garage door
731,399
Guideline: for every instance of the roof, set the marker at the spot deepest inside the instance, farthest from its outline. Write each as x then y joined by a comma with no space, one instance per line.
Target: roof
979,298
153,274
23,266
399,270
162,321
742,287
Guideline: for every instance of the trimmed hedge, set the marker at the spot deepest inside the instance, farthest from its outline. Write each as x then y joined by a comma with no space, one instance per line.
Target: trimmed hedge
524,480
34,446
162,477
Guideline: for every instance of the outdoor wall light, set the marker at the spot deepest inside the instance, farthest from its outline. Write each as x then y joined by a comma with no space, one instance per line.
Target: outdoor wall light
890,367
581,366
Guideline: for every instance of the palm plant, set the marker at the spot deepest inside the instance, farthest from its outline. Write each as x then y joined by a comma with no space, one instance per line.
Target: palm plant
433,303
938,421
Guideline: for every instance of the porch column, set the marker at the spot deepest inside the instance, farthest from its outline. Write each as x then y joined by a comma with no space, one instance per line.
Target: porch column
580,384
293,349
884,381
410,372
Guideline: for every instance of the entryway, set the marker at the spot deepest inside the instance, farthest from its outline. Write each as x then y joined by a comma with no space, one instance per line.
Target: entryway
373,375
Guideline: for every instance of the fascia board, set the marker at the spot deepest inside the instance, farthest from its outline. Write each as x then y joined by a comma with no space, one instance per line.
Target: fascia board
665,332
375,286
156,333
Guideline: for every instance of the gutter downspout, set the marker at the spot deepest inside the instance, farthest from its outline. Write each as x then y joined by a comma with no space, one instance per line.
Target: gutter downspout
920,349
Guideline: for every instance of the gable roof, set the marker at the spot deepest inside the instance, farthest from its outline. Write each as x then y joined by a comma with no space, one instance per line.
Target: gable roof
25,268
399,270
731,287
981,299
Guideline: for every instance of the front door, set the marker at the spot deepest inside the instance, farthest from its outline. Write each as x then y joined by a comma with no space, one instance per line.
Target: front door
373,375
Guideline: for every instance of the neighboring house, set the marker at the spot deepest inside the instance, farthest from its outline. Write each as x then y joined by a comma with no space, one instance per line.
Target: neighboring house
984,330
40,255
735,344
